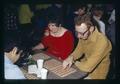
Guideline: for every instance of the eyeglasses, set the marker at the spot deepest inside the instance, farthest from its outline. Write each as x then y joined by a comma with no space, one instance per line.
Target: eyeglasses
82,33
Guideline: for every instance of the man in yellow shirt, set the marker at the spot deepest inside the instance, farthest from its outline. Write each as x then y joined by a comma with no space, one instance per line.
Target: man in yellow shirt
93,49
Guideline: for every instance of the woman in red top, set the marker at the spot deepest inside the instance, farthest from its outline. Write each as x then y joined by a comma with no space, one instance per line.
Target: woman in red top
58,40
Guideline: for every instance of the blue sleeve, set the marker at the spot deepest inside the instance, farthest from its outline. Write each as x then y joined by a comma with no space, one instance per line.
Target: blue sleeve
12,71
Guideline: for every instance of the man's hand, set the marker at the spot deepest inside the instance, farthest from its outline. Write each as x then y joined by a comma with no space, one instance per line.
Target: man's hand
12,55
68,62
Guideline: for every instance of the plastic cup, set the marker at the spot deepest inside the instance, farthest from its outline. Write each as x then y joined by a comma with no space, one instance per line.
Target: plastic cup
38,73
44,73
40,64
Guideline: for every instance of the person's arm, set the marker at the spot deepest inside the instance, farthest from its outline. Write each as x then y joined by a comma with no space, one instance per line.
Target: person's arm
101,49
39,46
43,44
77,53
44,41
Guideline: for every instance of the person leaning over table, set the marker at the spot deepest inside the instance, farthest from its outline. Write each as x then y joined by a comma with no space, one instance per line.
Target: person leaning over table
93,49
58,40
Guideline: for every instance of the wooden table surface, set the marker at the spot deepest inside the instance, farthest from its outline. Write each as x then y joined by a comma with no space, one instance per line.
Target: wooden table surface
76,75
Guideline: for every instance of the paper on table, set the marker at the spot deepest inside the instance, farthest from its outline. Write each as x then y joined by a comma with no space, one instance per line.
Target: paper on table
32,69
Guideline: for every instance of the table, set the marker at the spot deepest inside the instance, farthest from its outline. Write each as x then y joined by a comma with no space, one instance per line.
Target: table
76,75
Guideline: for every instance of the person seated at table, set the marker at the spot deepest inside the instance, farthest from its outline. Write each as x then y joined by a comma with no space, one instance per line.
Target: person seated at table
12,71
58,40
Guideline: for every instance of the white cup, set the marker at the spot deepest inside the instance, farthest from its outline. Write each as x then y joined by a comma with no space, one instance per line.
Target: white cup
40,64
44,73
38,73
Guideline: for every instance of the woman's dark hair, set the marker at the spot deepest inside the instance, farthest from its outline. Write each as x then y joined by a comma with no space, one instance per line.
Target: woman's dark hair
88,20
56,20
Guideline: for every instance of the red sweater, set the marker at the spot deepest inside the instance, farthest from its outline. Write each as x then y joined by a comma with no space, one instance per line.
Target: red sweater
59,47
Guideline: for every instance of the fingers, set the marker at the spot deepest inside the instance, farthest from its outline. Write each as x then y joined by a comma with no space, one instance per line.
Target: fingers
14,51
70,64
20,52
17,56
65,64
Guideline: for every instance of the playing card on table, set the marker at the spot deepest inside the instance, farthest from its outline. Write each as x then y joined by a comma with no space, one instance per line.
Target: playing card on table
40,56
27,75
